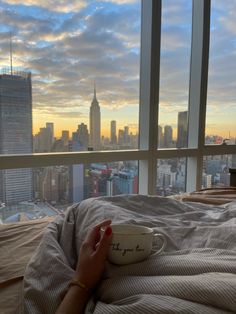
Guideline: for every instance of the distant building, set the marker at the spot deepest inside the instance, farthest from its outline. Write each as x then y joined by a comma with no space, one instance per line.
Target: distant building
50,187
76,175
43,141
65,137
225,178
164,175
113,133
133,140
168,136
207,180
95,123
182,133
125,138
126,135
83,135
98,176
121,137
125,182
50,127
160,136
61,144
16,134
213,166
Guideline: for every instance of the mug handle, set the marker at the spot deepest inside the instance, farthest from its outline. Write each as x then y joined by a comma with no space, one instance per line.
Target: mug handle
163,238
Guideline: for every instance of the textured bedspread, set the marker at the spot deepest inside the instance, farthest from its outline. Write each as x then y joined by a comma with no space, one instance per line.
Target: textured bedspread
195,274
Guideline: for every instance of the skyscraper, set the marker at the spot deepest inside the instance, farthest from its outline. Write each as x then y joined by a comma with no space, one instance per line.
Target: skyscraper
45,137
76,174
83,135
126,134
121,137
65,137
160,136
15,134
50,127
113,132
95,123
168,136
182,129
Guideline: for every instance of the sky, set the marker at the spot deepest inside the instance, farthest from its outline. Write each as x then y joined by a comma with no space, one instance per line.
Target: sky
67,45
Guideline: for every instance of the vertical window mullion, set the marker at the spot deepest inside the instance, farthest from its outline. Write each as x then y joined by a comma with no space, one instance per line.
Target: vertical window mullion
149,92
198,90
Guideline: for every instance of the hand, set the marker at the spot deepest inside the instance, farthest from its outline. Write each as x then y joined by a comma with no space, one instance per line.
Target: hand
92,256
90,266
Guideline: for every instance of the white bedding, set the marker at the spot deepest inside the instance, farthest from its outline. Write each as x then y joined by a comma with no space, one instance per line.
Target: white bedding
195,274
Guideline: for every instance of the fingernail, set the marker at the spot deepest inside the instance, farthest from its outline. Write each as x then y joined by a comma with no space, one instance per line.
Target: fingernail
108,231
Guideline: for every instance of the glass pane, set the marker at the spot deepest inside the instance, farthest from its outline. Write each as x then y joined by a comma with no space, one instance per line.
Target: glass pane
216,170
27,194
171,176
174,73
73,75
221,98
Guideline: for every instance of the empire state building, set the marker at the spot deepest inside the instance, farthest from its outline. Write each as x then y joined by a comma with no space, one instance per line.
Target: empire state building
95,123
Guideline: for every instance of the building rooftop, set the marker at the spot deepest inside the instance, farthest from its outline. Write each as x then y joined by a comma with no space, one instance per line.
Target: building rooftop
14,73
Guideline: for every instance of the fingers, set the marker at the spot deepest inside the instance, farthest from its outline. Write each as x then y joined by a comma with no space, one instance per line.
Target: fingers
94,235
103,245
104,223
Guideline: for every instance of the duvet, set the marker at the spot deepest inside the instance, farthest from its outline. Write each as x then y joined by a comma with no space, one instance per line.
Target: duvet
195,274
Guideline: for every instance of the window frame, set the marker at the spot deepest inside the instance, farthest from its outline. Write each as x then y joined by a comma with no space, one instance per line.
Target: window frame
148,152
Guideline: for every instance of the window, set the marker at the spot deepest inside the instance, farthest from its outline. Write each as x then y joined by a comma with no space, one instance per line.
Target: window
47,191
176,26
216,170
221,109
75,72
172,60
171,176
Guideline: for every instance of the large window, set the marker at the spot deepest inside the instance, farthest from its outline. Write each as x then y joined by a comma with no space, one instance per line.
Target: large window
84,59
176,26
221,101
91,108
47,191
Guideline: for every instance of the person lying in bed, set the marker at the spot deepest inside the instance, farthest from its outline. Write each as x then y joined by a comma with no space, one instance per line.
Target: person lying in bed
89,270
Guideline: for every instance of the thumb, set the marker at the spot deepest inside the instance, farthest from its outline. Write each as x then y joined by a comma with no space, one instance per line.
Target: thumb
104,243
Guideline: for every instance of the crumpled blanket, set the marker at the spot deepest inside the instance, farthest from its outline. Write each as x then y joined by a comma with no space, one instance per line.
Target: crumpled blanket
195,274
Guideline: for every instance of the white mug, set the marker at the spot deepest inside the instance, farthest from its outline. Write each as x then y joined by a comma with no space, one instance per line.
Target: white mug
132,243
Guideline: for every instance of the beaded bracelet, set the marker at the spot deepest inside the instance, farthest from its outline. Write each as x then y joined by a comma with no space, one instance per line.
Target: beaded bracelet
76,282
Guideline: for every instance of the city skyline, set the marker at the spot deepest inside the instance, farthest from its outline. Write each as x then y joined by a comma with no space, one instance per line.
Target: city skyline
49,187
165,136
68,45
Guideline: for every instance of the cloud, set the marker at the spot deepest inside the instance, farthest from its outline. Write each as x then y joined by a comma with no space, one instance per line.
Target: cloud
122,1
52,5
59,112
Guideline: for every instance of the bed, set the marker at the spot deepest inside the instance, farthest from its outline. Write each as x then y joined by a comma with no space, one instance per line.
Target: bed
18,241
195,274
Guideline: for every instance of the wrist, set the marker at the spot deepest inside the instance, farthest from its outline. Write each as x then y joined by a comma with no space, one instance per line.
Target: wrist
80,285
76,290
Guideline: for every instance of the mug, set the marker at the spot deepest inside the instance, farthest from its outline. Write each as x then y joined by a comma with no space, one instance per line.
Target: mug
132,243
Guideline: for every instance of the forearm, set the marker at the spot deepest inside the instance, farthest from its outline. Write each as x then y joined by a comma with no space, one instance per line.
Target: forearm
92,256
74,301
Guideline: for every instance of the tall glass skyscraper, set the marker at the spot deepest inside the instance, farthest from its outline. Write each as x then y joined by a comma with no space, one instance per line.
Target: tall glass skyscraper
15,134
